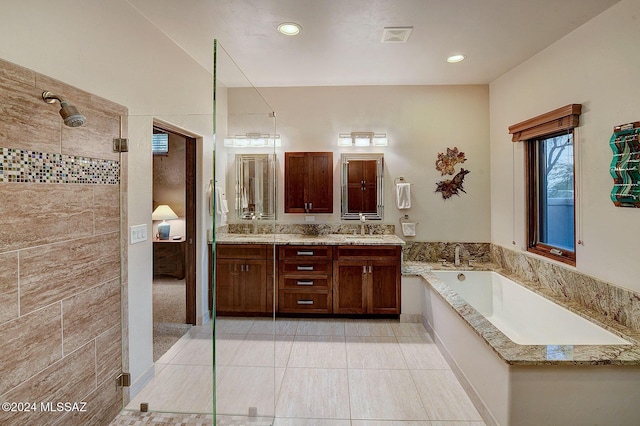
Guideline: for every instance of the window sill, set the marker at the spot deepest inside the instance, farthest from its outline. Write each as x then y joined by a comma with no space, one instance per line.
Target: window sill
544,252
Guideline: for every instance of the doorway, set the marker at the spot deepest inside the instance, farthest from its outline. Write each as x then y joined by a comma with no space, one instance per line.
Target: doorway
174,257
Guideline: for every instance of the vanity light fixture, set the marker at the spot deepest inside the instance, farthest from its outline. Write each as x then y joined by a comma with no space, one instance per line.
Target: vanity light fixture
253,140
289,28
362,139
453,59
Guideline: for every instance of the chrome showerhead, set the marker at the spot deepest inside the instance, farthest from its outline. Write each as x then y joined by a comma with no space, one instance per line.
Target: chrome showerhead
69,113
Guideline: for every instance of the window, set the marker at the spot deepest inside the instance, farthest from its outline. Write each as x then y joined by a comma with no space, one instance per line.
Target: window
160,143
551,200
550,183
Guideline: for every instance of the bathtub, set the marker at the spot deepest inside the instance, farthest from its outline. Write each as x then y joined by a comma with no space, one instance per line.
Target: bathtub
525,360
514,310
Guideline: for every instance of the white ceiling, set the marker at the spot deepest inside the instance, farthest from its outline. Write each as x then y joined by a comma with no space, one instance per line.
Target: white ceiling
340,39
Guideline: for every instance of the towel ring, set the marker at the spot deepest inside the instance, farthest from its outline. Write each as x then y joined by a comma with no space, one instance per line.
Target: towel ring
398,179
405,218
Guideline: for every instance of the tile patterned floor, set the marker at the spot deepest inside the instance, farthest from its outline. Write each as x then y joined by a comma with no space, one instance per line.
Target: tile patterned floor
317,372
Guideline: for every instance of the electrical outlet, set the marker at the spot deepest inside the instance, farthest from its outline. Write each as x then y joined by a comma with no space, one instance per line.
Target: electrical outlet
310,218
138,234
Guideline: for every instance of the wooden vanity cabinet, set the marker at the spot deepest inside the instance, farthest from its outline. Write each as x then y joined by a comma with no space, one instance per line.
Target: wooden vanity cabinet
244,276
366,280
305,279
308,182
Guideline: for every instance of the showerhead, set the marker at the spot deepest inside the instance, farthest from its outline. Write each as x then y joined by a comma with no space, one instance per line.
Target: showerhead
69,113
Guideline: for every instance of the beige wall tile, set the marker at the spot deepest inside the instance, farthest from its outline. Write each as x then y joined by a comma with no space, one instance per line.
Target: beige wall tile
31,343
89,314
103,405
17,73
106,208
70,379
95,138
26,121
57,271
53,213
109,353
8,286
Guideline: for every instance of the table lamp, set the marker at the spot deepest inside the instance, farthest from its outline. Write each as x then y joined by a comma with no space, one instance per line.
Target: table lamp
163,212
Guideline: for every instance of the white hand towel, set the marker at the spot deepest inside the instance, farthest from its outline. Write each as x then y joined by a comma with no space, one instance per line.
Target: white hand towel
219,200
409,229
403,195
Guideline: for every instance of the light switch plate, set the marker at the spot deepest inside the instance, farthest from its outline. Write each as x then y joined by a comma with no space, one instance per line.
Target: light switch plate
138,234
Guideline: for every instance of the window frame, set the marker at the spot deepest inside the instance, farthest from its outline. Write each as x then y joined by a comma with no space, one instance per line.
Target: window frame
553,123
532,170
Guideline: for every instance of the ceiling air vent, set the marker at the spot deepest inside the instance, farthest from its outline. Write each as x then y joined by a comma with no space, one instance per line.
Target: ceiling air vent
396,34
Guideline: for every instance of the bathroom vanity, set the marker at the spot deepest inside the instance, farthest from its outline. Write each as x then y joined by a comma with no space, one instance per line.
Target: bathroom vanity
330,274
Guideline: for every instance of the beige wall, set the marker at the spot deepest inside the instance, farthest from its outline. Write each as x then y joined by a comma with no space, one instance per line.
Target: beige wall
595,66
59,252
420,122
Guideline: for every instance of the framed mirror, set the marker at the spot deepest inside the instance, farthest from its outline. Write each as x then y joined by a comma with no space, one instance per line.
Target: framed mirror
362,186
255,186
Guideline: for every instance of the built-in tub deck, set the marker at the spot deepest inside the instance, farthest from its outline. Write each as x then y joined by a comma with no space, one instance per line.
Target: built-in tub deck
515,354
530,384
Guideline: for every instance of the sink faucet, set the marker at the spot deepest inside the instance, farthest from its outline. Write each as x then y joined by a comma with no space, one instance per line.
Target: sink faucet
254,223
457,255
363,219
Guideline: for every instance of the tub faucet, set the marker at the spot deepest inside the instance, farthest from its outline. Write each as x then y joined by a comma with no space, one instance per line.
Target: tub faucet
456,261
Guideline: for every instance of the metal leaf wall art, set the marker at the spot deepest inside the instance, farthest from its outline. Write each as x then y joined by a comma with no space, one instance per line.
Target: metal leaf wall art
445,164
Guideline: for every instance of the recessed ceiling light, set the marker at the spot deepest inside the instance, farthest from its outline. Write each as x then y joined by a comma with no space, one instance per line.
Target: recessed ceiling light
289,28
455,58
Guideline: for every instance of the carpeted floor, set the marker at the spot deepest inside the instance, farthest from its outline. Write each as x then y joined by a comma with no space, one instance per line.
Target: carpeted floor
169,314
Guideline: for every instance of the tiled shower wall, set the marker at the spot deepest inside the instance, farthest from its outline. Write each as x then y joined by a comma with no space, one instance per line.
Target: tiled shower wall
60,253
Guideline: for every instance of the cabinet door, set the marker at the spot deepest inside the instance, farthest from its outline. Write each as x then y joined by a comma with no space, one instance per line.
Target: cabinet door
349,295
320,182
308,182
383,287
228,285
254,286
241,285
295,181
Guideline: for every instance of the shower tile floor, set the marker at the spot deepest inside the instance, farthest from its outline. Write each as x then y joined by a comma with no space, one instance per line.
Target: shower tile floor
320,372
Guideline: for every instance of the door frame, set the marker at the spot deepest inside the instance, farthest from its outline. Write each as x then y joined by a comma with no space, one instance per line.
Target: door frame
191,164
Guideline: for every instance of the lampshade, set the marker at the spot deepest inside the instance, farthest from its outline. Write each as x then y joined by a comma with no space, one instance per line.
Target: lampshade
163,212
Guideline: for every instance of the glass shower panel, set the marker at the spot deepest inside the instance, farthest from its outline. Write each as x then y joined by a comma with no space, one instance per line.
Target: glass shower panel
169,335
244,247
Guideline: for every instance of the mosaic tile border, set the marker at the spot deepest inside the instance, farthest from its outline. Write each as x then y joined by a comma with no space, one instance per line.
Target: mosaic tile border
20,166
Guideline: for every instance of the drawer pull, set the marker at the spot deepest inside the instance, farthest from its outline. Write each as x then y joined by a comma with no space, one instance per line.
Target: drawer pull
305,268
305,253
304,282
305,302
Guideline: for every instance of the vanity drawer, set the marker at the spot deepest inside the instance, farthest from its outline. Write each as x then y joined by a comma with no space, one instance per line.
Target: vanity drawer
305,252
299,301
241,251
306,282
310,267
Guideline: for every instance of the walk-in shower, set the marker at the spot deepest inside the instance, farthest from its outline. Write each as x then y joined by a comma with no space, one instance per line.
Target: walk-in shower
69,113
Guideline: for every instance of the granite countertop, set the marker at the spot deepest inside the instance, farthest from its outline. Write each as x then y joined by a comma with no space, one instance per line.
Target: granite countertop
514,354
304,239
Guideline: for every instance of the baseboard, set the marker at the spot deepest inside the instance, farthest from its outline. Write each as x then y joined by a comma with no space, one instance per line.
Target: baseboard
143,381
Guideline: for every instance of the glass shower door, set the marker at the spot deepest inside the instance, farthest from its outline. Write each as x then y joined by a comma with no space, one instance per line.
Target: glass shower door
244,250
